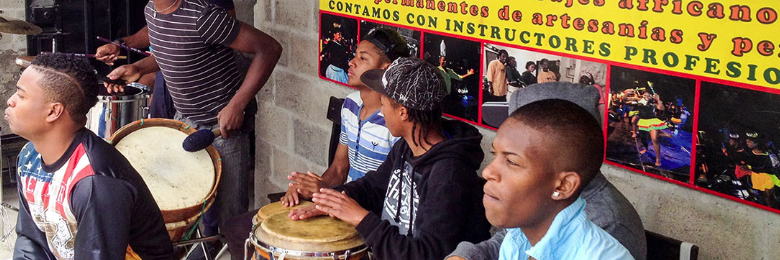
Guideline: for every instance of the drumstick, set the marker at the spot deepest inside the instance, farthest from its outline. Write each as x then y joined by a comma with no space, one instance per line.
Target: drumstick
200,139
142,87
83,55
145,53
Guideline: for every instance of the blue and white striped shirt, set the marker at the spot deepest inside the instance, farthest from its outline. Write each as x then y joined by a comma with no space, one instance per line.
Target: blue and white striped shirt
369,141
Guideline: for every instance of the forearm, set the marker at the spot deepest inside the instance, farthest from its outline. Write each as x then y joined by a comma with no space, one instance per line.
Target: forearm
334,175
138,40
147,65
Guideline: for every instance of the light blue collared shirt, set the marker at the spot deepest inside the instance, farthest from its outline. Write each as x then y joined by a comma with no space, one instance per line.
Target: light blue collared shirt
571,236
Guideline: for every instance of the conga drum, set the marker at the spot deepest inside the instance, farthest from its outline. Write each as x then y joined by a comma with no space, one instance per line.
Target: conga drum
278,237
183,183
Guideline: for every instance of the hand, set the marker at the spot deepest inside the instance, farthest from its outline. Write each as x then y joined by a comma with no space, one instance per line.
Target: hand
290,197
339,205
306,184
128,73
455,258
107,53
470,72
305,212
230,118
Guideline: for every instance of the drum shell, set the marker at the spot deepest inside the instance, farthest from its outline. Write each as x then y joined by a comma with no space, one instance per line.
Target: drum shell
120,109
177,230
264,242
183,214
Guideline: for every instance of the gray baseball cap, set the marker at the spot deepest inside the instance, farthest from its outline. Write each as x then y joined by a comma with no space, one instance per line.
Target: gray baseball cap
411,82
586,96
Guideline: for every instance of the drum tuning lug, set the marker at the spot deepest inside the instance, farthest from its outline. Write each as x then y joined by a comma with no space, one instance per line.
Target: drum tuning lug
347,254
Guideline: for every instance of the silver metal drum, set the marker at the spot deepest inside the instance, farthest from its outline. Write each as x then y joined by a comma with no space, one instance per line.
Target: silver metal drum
118,109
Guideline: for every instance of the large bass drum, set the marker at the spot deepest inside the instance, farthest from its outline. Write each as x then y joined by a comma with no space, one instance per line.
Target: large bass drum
183,183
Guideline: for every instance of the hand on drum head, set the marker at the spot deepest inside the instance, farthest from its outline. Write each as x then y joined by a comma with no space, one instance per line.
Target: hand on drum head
291,197
107,53
338,204
455,258
128,73
306,184
305,212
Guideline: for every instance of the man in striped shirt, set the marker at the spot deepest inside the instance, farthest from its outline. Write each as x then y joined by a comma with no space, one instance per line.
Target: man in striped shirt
193,44
364,141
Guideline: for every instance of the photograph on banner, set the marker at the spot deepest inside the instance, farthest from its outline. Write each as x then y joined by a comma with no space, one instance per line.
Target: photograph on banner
508,69
412,37
735,152
338,41
458,61
650,122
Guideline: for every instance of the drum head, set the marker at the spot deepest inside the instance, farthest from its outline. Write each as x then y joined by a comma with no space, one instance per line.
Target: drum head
317,234
276,207
179,181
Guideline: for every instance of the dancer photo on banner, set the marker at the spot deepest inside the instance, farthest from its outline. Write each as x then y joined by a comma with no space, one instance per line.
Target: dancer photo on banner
508,69
338,41
458,61
736,153
648,127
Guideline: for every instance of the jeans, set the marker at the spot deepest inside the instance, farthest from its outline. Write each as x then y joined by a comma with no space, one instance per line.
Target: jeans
232,196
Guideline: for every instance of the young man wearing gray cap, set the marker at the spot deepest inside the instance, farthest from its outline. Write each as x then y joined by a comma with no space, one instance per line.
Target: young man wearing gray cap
426,196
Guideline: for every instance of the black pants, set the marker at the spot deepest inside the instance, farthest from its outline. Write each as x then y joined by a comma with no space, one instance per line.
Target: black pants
237,232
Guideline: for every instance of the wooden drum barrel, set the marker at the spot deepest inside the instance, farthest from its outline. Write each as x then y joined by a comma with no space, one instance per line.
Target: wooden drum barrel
183,183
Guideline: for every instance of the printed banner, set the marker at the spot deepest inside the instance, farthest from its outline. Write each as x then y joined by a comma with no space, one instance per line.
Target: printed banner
690,88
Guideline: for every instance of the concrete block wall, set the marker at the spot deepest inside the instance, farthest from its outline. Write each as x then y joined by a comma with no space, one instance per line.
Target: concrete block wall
11,46
293,135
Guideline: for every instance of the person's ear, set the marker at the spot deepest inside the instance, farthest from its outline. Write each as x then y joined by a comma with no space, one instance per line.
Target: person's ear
384,66
56,110
403,113
566,185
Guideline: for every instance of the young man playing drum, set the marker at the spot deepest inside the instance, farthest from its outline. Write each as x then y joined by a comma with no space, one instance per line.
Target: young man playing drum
161,104
426,197
193,44
363,133
363,130
79,197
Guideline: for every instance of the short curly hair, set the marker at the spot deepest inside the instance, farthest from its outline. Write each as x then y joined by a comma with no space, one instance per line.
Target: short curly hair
68,80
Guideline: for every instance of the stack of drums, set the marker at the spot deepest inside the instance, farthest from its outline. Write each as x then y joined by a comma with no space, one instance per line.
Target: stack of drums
183,183
277,237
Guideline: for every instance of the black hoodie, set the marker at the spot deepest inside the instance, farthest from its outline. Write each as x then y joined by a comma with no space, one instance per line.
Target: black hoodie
447,198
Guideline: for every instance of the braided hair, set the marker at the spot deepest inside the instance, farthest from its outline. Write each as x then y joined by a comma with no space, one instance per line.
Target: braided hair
427,121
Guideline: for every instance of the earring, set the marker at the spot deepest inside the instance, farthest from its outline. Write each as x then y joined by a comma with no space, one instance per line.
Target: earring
556,194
